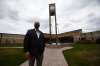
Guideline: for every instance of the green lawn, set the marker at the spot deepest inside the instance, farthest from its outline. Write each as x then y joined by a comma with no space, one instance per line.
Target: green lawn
11,57
83,55
11,45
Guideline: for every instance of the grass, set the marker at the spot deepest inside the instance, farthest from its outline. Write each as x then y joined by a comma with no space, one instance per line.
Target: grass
83,55
12,45
11,56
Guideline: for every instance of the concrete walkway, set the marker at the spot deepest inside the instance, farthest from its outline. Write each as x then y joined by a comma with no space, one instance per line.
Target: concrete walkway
52,57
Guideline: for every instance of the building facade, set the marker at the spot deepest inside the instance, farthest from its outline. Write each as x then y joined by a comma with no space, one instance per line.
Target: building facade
72,36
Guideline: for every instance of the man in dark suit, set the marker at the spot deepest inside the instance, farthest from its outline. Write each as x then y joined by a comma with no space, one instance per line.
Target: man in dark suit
34,45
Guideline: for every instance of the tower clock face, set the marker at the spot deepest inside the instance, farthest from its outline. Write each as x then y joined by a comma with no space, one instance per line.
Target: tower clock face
52,8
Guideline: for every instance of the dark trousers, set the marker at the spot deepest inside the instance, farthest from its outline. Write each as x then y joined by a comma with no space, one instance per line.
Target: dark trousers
38,58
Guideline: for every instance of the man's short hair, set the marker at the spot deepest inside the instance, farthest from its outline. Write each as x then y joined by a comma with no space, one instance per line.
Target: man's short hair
36,23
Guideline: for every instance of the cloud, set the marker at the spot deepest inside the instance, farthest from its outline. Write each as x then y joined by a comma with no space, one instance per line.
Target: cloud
17,16
74,14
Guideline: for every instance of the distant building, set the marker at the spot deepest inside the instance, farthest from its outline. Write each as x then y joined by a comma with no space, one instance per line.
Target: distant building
77,35
72,36
6,38
91,36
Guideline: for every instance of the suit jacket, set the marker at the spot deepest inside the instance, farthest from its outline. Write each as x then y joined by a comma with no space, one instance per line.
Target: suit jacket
33,44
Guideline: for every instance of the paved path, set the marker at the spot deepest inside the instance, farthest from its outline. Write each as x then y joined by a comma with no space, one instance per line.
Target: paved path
52,57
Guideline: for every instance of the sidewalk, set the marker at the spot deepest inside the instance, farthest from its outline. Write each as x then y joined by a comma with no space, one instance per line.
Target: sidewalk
52,57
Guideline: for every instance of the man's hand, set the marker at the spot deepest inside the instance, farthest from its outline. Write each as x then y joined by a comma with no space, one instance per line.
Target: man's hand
27,54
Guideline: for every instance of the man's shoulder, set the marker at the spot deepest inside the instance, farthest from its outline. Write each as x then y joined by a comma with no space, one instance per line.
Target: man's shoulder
29,30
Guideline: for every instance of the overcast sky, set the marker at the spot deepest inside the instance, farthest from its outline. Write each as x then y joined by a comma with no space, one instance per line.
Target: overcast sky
17,16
